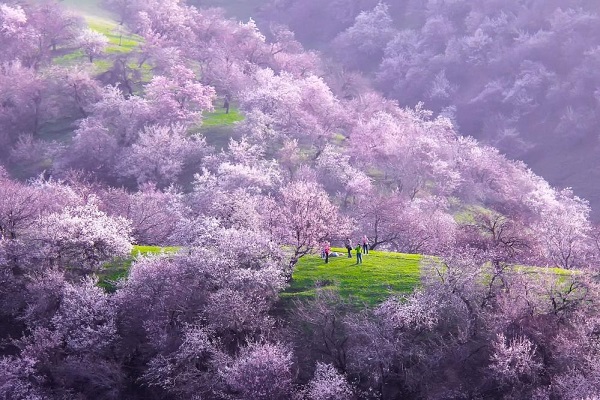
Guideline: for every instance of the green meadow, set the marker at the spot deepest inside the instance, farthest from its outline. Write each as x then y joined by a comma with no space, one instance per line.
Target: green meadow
381,275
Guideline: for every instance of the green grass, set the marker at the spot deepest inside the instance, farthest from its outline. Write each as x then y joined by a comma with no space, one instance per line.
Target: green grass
152,250
547,270
119,268
102,65
70,58
218,127
242,9
99,20
381,275
219,118
146,72
118,42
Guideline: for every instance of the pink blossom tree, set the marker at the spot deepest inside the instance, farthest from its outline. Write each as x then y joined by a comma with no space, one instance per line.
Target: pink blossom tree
378,217
70,345
303,217
192,369
113,122
23,106
216,195
514,360
217,295
82,238
283,102
154,213
20,206
178,97
161,153
15,36
32,31
262,372
328,384
92,43
54,26
407,150
340,177
75,89
367,38
565,233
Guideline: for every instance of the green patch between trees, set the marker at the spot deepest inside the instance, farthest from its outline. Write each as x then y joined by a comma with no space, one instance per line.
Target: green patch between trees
380,275
119,268
119,40
219,118
218,127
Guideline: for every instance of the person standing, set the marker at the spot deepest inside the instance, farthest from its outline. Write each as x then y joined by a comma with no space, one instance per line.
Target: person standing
226,104
348,244
358,254
327,250
365,242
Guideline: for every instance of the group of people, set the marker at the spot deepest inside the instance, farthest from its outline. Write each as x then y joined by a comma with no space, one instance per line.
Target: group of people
361,248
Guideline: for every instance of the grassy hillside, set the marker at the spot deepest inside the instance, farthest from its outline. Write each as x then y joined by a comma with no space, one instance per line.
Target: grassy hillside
217,126
99,20
380,275
241,9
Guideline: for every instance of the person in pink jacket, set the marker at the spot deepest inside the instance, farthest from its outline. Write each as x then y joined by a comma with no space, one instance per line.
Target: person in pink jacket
327,250
365,244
